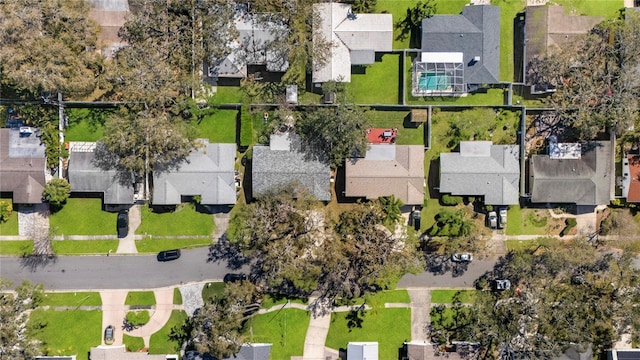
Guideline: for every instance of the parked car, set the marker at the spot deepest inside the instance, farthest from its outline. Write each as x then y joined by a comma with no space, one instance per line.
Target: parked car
415,216
169,255
123,223
502,219
462,257
492,220
234,277
503,284
109,335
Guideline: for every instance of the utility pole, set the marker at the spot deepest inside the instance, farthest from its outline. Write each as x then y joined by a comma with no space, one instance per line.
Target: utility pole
60,133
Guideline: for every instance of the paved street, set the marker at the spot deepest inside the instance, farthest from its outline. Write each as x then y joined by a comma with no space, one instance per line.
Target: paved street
426,279
115,272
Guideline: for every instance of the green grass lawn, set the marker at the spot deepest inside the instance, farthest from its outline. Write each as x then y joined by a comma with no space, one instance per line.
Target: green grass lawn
508,11
18,247
185,220
69,332
73,247
446,296
160,343
378,299
389,327
379,84
140,298
526,222
397,119
132,343
177,296
10,227
71,299
607,8
268,301
211,290
86,124
521,245
81,216
219,127
153,245
284,329
228,95
138,318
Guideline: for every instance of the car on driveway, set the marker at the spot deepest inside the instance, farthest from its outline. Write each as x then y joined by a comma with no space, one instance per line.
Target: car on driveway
502,219
492,220
123,223
168,255
109,335
231,277
462,257
503,284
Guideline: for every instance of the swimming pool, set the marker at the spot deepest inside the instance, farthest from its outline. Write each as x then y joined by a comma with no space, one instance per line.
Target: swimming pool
431,80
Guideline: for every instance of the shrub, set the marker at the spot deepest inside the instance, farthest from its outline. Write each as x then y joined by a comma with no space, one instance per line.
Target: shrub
450,200
5,210
537,220
138,318
570,224
57,192
246,127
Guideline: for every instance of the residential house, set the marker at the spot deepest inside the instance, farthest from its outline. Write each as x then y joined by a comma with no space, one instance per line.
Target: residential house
252,351
547,29
120,353
256,44
284,162
460,53
385,170
69,357
22,165
631,178
362,351
421,350
207,172
355,38
482,169
111,16
580,174
623,354
86,176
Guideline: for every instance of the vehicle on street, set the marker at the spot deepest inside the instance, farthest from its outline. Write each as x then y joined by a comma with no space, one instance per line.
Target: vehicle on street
502,219
109,335
503,284
234,277
169,255
123,223
462,257
492,220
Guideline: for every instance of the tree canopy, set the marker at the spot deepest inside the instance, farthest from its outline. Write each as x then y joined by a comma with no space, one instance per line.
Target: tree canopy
48,46
16,340
295,247
595,78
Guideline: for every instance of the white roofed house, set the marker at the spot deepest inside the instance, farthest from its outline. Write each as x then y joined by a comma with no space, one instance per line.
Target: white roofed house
207,172
354,38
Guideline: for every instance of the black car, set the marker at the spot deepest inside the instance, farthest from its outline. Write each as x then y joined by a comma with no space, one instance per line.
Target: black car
123,223
234,277
169,255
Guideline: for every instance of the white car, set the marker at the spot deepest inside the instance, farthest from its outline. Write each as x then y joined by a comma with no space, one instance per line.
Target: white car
462,257
503,284
502,220
492,219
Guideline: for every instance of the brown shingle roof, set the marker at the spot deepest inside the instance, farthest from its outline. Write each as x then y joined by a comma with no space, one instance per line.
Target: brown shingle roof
20,174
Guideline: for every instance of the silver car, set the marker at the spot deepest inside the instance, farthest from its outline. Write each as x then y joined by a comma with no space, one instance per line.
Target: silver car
492,219
503,218
462,257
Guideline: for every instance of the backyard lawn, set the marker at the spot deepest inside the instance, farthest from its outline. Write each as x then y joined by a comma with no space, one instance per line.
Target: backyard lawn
85,124
185,220
161,342
81,216
228,95
284,329
18,247
378,84
10,227
78,247
71,299
398,119
140,298
154,245
389,327
68,332
219,127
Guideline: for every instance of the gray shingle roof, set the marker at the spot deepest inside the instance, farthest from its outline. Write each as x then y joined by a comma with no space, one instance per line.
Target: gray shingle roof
482,169
207,172
22,165
255,351
584,181
387,170
85,176
273,168
474,33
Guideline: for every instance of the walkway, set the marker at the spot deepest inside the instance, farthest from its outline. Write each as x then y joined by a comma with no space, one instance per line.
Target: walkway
33,222
420,313
318,330
127,245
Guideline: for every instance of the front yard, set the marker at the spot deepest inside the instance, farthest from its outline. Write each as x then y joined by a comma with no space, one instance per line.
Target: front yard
10,227
532,222
68,332
184,221
154,245
83,216
17,247
284,329
80,247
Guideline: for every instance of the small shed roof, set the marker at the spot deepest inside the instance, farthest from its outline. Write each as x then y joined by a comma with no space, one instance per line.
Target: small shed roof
362,351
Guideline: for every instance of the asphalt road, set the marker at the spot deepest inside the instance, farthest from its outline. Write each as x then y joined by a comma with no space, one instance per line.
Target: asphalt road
426,279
